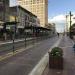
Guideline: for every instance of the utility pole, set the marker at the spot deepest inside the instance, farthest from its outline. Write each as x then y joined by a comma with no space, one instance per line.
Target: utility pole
66,27
70,23
14,35
4,18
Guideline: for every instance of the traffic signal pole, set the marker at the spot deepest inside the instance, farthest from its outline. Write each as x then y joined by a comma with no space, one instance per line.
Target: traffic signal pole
70,23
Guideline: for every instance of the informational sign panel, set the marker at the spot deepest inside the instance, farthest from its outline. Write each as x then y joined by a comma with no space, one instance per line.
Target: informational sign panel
12,27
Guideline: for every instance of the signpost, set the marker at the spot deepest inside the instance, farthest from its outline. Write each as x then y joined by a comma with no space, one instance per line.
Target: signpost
12,25
70,24
14,32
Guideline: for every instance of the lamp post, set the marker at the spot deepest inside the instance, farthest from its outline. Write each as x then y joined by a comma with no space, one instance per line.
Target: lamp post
4,18
66,27
14,33
70,23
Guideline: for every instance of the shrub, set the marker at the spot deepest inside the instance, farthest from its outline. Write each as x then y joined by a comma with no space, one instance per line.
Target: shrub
57,52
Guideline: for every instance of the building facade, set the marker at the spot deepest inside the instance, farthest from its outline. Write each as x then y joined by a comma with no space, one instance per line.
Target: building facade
37,7
52,27
4,10
26,21
24,17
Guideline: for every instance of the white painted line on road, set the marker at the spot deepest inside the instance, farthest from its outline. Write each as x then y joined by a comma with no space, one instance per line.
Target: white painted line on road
15,41
67,47
3,57
39,68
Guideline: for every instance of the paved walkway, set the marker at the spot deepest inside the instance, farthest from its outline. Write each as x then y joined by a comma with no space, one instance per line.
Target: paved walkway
69,60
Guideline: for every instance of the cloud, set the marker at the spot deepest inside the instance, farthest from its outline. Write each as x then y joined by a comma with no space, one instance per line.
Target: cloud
13,2
60,21
57,19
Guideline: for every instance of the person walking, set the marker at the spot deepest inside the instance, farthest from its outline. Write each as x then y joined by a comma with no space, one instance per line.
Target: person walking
74,43
58,34
74,47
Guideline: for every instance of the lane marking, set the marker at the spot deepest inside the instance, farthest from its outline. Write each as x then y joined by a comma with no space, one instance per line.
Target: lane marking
10,54
58,72
14,41
67,46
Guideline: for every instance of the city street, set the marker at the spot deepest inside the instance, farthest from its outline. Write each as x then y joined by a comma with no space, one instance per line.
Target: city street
23,62
31,32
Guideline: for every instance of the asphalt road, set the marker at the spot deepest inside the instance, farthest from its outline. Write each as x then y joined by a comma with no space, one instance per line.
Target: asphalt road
8,46
22,63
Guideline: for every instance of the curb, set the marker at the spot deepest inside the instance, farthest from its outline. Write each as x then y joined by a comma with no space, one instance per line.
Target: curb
39,68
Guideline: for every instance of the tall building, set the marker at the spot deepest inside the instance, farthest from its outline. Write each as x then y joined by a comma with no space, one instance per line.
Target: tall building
37,7
4,10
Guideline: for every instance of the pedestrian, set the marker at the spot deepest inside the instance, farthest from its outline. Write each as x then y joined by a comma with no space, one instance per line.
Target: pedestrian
74,47
58,34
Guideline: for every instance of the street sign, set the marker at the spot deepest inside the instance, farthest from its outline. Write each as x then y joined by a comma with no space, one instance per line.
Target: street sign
12,28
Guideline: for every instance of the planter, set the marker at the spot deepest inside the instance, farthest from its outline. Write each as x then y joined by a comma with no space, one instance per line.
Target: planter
55,62
56,58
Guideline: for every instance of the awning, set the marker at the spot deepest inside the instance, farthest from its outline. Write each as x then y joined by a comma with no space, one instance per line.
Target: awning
1,22
1,26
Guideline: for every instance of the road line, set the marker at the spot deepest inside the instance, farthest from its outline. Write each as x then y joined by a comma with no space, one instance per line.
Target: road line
10,54
15,41
67,47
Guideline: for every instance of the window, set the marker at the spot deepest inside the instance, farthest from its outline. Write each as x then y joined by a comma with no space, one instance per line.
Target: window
34,1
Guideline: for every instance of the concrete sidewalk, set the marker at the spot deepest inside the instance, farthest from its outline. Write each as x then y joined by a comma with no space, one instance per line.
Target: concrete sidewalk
69,60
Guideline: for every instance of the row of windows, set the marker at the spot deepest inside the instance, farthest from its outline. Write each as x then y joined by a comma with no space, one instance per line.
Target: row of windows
31,1
33,7
26,18
38,1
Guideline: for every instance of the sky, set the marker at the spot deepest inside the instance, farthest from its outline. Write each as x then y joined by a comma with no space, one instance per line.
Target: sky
57,9
13,2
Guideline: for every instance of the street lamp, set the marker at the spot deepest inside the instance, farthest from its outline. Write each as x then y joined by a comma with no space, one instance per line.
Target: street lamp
66,27
70,23
14,35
